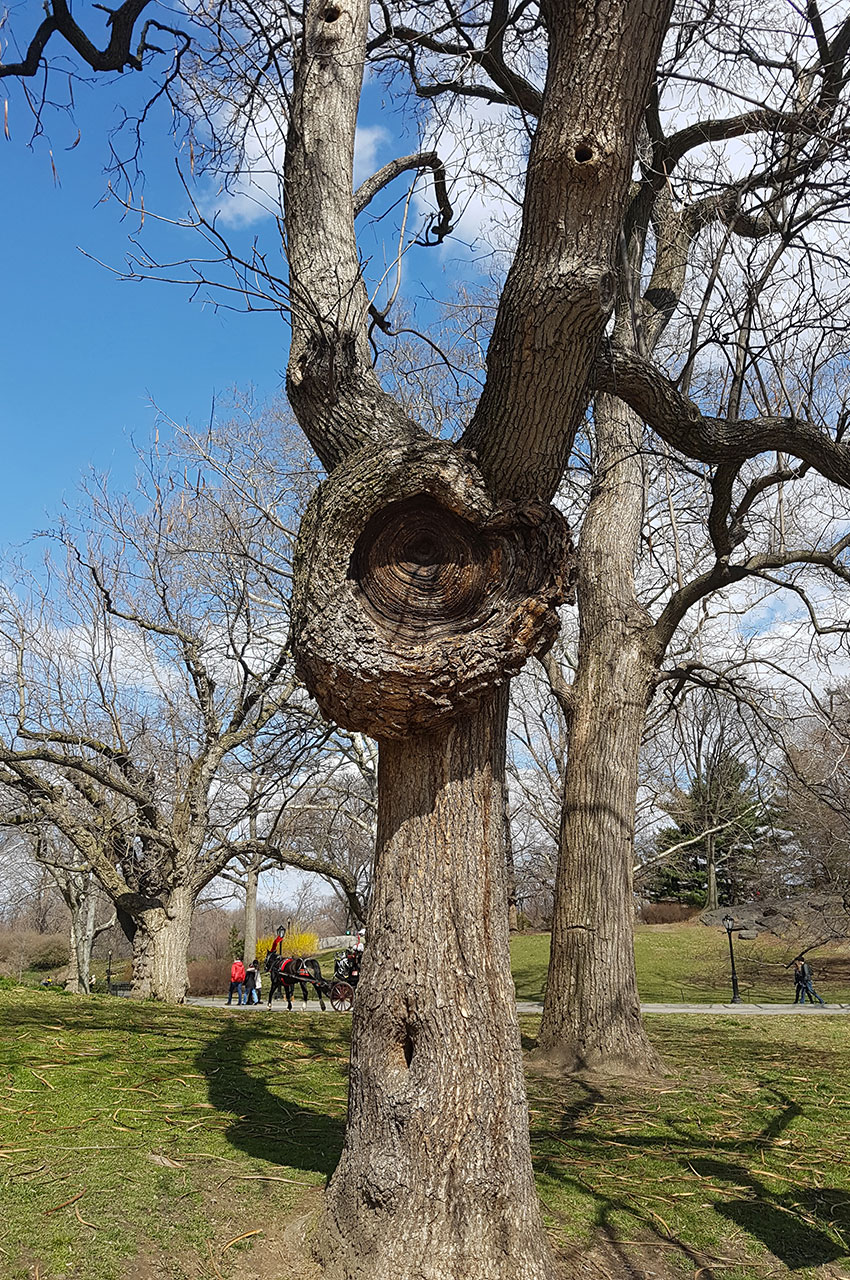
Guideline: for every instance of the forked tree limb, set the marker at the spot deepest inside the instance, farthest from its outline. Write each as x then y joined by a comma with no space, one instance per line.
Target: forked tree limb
679,421
116,56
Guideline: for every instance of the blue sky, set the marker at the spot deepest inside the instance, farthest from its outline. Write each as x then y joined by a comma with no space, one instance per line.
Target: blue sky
84,353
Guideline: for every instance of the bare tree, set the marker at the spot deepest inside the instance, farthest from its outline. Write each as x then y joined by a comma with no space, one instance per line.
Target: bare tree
426,572
724,292
137,672
816,778
84,899
320,821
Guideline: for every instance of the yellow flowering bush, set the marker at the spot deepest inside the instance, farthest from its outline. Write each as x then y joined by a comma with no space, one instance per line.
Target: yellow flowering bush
296,942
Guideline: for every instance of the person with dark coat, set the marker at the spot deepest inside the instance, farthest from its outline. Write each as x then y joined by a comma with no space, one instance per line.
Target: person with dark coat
252,976
808,983
803,983
799,993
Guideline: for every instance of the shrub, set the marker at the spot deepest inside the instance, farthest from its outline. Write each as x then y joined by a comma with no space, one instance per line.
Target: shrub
296,942
208,977
25,949
50,953
666,912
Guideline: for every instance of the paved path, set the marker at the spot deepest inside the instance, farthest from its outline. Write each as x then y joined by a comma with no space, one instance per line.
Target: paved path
528,1006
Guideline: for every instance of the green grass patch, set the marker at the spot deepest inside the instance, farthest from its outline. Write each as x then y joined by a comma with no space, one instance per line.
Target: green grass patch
734,1163
689,963
138,1142
132,1130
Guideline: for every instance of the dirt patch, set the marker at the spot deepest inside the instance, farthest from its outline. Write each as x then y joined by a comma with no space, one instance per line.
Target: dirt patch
253,1236
633,1260
283,1252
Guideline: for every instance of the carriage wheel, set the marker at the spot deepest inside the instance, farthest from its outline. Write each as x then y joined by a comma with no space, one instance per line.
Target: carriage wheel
342,996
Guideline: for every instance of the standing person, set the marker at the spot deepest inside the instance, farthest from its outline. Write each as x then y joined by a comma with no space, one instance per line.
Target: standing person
252,974
808,982
237,982
258,982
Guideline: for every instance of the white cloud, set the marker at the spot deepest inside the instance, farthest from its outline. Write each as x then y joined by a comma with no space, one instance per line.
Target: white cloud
368,141
255,192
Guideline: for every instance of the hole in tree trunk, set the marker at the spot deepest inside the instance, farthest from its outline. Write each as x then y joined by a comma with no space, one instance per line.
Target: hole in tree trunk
408,1049
331,13
583,153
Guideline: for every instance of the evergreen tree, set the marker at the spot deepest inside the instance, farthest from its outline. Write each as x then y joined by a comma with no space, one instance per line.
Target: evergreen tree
722,826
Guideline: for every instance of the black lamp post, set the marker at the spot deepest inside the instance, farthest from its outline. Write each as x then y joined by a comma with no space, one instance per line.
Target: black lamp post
729,925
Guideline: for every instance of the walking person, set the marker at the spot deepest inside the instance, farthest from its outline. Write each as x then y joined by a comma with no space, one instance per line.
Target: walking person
808,983
237,982
799,988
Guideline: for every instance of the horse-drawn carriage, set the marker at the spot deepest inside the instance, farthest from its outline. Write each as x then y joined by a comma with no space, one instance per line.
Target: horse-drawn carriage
287,971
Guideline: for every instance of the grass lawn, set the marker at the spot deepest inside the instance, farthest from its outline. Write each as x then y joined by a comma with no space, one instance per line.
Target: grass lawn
139,1143
734,1166
689,963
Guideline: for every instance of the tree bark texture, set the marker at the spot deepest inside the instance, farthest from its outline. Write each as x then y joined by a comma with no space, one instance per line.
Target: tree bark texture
161,948
561,287
415,593
250,928
591,1017
435,1179
331,384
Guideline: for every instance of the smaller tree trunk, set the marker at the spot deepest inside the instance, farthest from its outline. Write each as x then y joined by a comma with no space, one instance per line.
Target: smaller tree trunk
72,982
161,948
513,915
591,1015
711,897
252,878
77,889
85,940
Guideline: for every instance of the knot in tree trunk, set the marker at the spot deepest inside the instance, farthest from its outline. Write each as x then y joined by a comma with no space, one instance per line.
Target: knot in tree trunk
416,593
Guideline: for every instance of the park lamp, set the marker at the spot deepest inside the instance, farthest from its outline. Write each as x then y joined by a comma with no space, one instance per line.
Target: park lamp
729,925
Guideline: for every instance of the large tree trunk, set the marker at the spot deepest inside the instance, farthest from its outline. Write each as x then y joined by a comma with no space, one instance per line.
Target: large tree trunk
424,577
437,1109
161,948
591,1017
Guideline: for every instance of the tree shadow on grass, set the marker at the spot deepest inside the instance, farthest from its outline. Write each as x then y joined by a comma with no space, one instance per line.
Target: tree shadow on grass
273,1124
251,1070
793,1223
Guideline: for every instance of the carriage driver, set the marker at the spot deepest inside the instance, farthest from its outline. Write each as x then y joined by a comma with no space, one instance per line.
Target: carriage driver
278,942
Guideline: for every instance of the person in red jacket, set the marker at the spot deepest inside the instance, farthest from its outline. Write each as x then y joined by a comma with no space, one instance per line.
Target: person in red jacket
237,982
